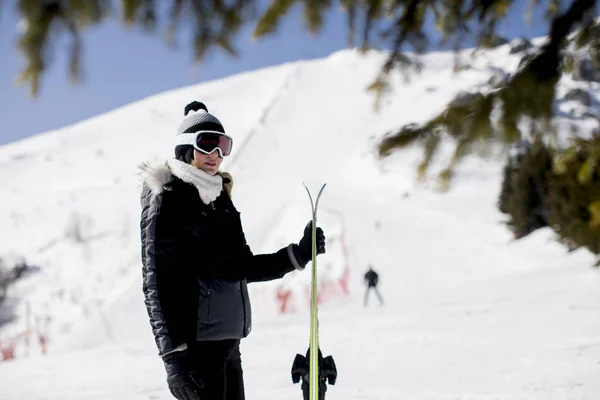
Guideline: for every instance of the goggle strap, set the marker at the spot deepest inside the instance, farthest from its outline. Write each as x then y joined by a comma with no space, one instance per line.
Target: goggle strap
185,138
190,138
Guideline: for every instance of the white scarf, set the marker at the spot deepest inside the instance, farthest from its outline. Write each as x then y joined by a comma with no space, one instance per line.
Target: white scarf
209,186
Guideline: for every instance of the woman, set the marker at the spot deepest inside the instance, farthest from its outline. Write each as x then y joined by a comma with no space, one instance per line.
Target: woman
196,263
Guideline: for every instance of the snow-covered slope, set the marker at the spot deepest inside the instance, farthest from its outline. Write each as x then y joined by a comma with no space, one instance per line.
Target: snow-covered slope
469,313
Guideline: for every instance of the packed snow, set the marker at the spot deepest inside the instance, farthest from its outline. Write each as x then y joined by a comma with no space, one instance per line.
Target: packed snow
469,313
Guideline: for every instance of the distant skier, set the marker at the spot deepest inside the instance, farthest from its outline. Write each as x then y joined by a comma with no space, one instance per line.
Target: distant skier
372,280
196,263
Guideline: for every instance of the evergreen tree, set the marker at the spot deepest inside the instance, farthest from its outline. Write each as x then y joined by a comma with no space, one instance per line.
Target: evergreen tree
213,23
508,175
527,95
543,187
527,203
574,195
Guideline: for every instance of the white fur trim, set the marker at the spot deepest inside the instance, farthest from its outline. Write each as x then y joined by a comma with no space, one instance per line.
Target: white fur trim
157,174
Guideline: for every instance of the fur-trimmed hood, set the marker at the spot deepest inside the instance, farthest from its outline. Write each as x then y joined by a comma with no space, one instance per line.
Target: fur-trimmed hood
157,174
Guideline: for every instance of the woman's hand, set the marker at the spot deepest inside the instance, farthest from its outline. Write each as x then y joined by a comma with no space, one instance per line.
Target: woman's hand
303,251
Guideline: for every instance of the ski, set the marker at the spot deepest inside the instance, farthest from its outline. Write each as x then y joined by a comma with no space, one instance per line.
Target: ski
313,367
314,370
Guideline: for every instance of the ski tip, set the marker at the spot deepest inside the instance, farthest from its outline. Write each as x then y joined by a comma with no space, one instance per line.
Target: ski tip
323,186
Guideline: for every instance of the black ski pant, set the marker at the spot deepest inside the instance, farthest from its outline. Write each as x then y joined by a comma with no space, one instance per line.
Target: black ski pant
376,292
220,366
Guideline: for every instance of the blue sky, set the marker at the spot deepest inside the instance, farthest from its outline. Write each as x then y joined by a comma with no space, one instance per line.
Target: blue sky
121,66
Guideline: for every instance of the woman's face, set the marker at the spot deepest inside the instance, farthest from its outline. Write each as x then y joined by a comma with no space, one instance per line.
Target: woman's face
208,163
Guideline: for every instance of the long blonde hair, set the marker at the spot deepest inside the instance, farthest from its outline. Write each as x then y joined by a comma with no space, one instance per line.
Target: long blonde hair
227,182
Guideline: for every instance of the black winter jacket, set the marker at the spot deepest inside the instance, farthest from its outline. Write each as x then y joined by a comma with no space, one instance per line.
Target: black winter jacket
196,263
372,278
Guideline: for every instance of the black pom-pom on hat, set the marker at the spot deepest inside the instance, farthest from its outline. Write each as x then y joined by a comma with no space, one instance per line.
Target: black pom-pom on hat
198,118
194,106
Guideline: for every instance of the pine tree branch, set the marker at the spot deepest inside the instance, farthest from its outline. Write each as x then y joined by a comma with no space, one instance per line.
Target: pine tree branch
468,119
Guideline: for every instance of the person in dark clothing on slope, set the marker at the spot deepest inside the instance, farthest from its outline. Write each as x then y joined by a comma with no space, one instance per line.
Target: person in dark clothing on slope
372,280
196,262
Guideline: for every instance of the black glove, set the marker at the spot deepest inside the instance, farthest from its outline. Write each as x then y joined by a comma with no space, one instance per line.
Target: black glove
183,382
303,250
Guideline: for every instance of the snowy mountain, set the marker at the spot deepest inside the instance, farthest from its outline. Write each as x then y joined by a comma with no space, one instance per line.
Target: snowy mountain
469,313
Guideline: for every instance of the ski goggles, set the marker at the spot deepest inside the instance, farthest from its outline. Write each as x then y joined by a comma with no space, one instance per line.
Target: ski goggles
207,142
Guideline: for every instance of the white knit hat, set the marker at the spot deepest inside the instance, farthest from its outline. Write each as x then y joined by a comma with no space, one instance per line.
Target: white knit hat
197,118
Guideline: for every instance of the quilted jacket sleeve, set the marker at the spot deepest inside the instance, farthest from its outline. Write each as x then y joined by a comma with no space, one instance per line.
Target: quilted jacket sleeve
162,282
267,267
